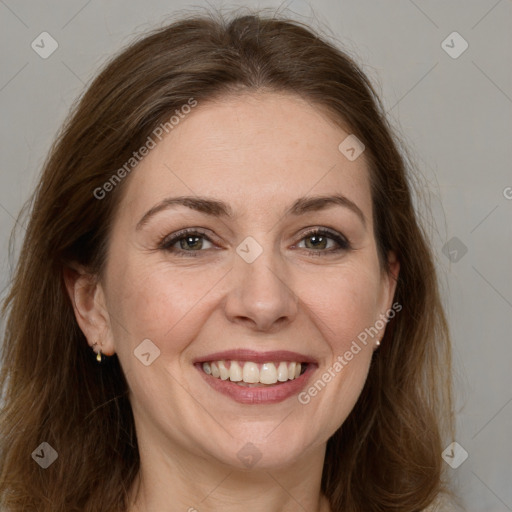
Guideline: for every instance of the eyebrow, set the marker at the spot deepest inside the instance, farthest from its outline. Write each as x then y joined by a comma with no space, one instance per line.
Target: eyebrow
216,208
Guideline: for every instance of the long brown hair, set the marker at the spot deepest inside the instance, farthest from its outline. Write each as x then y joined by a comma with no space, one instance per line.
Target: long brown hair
387,454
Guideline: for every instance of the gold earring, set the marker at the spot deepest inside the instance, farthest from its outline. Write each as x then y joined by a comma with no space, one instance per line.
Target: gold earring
99,356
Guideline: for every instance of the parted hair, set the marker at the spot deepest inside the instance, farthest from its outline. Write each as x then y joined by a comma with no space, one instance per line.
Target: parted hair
386,455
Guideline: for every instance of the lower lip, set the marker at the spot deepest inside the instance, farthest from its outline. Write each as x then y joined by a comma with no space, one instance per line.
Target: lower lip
259,395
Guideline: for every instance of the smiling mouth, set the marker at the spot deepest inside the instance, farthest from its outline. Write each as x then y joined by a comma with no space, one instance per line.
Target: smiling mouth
251,374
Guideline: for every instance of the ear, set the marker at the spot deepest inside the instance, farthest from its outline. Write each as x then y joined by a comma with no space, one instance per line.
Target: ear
389,281
88,299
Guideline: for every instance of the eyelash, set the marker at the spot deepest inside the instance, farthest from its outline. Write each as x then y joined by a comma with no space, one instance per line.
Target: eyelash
168,241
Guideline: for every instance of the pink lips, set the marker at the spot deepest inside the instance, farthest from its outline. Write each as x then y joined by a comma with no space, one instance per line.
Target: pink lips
256,357
258,395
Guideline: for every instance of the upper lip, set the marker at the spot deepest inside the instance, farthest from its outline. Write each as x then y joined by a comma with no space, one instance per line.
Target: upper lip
256,357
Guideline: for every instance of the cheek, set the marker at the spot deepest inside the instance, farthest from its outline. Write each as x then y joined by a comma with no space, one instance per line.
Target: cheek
344,307
158,303
344,303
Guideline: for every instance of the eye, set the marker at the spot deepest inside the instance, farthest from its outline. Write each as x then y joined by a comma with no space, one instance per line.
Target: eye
187,240
319,241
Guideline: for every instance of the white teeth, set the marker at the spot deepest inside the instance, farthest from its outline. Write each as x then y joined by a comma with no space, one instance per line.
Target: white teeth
253,373
291,371
235,372
268,374
282,372
224,372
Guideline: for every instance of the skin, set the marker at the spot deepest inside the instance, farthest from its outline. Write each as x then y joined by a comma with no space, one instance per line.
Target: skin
258,153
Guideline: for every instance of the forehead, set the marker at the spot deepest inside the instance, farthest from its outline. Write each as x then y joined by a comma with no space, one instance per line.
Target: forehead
254,151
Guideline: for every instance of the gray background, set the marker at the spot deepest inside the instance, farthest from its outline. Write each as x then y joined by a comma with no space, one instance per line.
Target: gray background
454,114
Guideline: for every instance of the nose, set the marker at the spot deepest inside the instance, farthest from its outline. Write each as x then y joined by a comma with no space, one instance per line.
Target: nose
261,296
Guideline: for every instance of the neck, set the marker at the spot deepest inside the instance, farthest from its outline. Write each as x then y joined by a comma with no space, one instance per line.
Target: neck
195,484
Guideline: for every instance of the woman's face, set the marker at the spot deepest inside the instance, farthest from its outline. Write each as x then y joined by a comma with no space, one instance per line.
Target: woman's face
250,285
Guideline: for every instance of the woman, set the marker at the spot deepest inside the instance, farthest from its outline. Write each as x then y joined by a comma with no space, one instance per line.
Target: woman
225,298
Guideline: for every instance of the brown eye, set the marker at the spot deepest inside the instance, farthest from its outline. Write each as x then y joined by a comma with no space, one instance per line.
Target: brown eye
321,241
187,241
